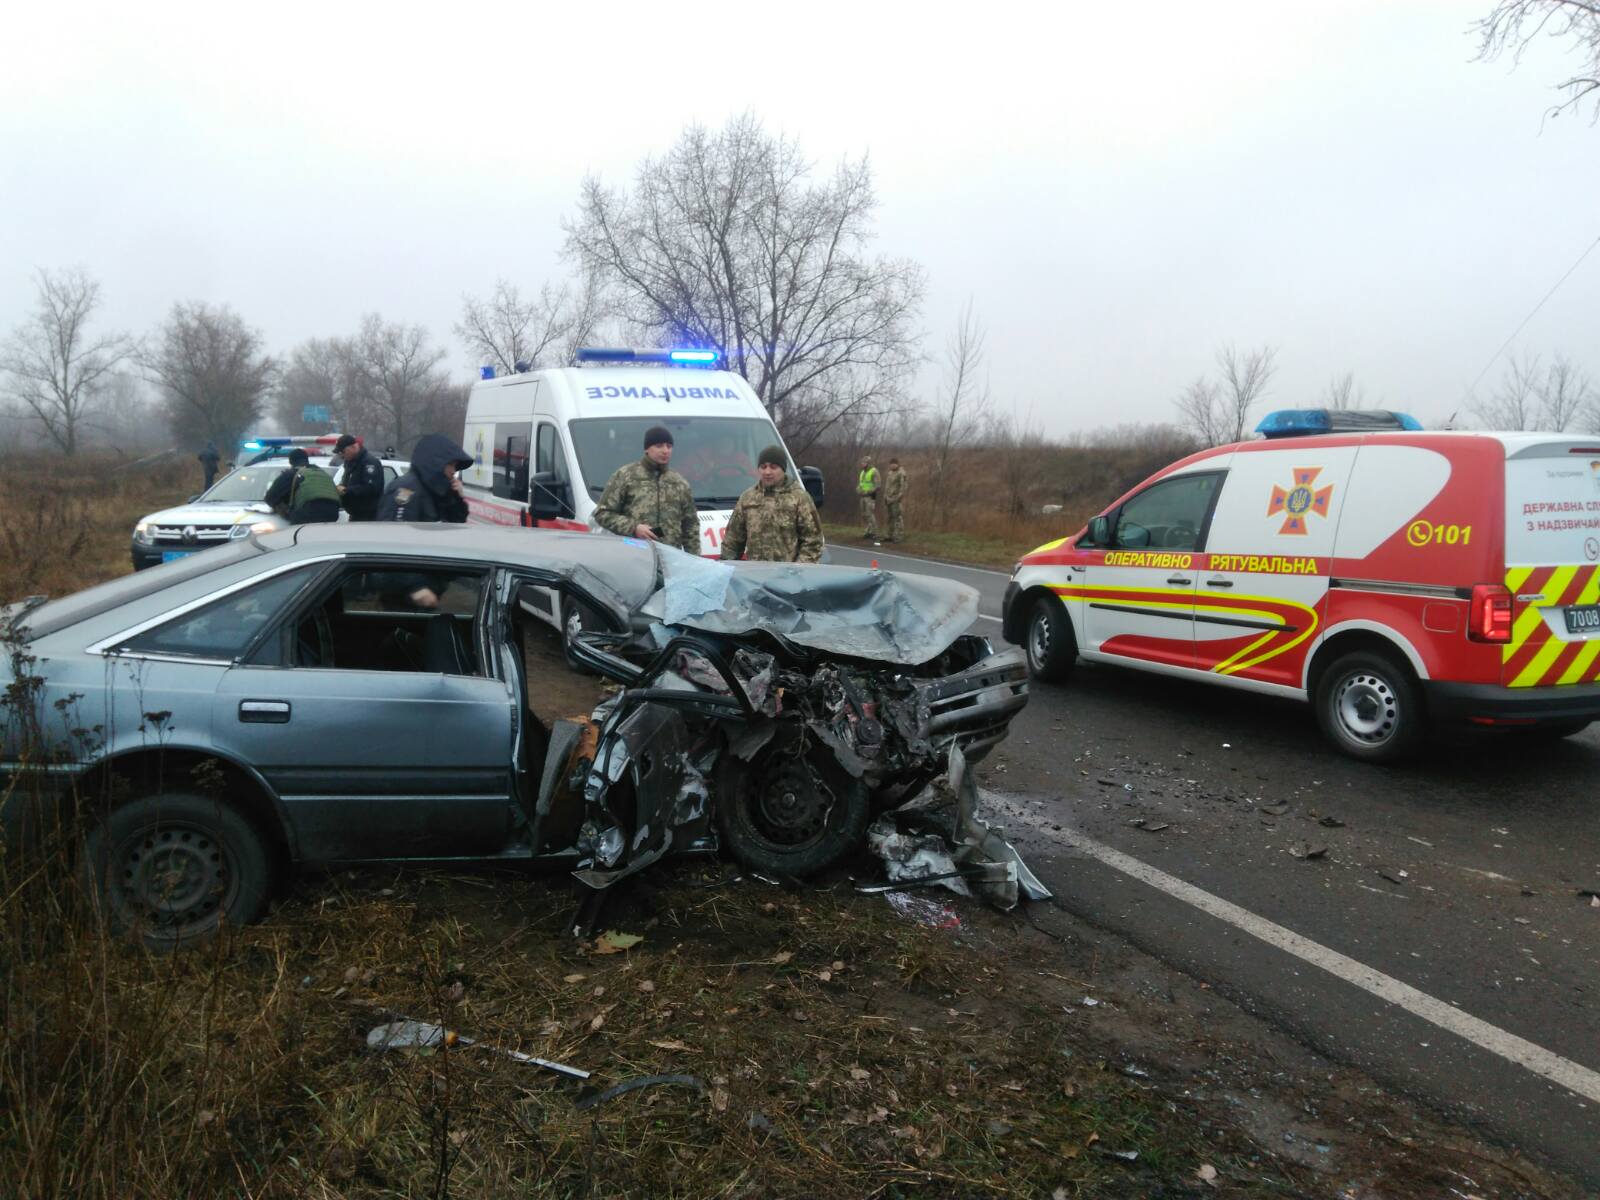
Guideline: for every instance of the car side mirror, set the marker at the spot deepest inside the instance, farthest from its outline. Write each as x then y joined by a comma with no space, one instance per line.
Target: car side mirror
1100,531
811,480
548,498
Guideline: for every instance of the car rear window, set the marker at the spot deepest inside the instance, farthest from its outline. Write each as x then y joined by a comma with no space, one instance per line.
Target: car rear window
80,606
1553,505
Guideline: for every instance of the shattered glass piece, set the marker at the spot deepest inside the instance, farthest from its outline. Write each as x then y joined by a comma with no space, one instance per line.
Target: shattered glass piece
923,910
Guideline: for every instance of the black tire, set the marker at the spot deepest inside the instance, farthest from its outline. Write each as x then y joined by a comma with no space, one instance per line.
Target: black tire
171,867
790,815
1370,707
1048,639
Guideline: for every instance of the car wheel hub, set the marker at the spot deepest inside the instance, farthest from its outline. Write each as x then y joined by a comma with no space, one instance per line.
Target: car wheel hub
1368,708
1039,639
174,874
791,808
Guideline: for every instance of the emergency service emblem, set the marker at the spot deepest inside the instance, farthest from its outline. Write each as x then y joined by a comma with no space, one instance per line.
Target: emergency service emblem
1300,501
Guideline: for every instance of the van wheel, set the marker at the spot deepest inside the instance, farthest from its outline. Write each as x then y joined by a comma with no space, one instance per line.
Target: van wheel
1369,707
173,866
1051,647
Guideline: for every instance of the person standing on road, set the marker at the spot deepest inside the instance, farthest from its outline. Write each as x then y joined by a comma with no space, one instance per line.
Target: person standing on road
304,493
649,500
361,487
431,489
894,495
867,489
209,458
774,521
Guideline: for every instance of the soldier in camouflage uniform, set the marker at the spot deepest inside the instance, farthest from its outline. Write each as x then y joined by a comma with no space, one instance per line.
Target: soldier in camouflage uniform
649,500
775,521
894,495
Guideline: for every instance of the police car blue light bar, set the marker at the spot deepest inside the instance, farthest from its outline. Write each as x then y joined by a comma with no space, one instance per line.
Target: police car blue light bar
1303,422
682,357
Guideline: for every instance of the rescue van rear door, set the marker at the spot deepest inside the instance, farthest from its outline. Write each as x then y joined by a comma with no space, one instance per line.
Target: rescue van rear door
1260,597
1553,562
1138,595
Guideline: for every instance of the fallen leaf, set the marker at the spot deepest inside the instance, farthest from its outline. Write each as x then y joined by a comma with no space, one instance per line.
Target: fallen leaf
599,1020
1207,1174
647,986
613,942
838,964
825,976
781,957
674,1044
860,1073
719,1099
574,978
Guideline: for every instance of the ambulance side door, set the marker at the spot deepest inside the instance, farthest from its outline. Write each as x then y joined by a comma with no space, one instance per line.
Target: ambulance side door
1262,595
1138,588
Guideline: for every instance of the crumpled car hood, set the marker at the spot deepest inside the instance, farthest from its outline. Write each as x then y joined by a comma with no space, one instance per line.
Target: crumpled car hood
878,615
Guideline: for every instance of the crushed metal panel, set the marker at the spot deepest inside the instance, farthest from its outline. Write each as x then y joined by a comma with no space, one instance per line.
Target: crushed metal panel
880,615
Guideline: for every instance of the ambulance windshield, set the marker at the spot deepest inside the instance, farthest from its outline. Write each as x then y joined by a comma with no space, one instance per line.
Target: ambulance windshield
717,455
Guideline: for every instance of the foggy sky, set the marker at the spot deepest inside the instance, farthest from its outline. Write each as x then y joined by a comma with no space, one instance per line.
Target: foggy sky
1117,189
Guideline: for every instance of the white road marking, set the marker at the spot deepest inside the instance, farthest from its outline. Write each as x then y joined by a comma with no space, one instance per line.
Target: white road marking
1573,1076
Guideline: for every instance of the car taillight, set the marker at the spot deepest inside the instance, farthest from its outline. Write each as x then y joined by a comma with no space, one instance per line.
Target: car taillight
1491,614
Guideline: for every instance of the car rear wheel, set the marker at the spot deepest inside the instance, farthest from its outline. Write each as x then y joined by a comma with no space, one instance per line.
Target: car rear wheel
1369,707
789,814
1051,647
172,867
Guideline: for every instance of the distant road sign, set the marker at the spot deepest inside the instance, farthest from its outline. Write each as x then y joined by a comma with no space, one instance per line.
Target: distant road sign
314,413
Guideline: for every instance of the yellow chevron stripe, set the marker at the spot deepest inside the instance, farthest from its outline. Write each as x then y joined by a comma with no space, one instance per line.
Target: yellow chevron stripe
1542,662
1311,627
1581,665
1226,667
1591,590
1516,577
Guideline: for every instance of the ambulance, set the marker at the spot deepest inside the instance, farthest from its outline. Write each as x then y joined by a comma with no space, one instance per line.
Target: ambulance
1395,579
545,442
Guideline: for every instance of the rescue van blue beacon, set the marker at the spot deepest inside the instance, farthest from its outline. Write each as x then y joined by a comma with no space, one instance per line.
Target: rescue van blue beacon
544,442
1395,578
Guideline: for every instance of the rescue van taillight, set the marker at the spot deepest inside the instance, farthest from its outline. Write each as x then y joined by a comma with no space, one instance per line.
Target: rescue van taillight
1491,614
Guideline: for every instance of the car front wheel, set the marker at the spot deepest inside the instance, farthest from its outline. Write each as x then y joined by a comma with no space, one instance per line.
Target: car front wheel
1052,650
789,814
172,867
1369,707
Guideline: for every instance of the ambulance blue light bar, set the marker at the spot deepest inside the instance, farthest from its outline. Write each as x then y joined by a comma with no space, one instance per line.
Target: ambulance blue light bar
1303,422
687,357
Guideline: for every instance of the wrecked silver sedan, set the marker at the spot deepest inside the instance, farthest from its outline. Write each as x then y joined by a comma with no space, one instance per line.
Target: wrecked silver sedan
334,694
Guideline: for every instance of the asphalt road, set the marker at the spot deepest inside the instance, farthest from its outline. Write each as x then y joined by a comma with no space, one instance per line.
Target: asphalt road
1427,923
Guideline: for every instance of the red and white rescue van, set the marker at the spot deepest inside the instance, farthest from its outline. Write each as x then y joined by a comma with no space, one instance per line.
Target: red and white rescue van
545,442
1390,576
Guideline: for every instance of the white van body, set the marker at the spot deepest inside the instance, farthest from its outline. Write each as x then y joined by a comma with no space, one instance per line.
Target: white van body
556,435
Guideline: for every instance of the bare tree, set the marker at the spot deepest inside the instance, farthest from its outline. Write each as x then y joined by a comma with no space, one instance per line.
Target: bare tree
1513,25
1219,412
1515,403
211,373
1027,460
726,241
397,368
962,403
320,373
1343,392
539,331
53,367
1566,394
1199,408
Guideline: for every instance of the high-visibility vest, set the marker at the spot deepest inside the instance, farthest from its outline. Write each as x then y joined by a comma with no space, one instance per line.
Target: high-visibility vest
868,482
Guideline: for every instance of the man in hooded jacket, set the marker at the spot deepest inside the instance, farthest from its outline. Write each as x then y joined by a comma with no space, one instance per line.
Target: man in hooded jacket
431,489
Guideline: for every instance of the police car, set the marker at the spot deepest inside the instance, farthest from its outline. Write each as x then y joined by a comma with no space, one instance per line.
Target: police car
234,506
1392,577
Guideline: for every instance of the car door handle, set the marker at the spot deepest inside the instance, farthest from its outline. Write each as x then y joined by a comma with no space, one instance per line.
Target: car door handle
1077,567
264,712
1219,583
1179,581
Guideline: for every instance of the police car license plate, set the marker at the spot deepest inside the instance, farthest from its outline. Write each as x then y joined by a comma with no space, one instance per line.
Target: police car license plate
1583,618
169,555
